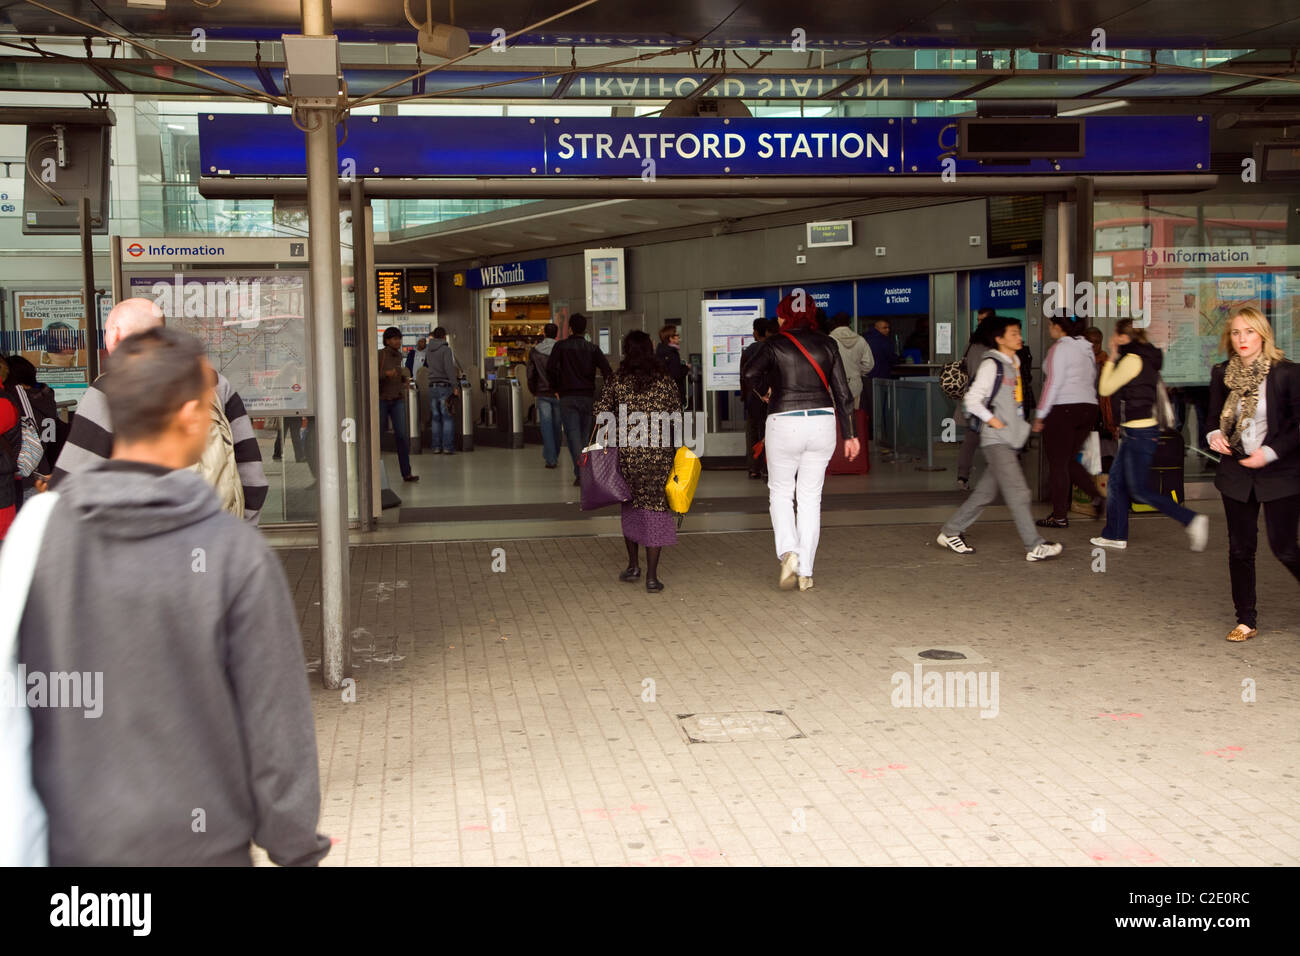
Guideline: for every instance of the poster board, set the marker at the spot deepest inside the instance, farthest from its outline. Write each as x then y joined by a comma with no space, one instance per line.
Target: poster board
1189,314
52,336
606,280
254,324
728,328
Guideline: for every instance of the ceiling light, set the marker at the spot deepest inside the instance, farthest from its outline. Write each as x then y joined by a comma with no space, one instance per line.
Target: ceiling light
698,210
582,227
641,220
499,244
468,252
773,202
540,235
1095,108
437,39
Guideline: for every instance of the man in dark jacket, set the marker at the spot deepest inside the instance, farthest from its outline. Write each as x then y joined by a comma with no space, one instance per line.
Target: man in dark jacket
548,406
174,726
394,382
571,371
670,353
442,386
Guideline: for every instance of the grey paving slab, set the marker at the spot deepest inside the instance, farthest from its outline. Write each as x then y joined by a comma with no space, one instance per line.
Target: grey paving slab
533,716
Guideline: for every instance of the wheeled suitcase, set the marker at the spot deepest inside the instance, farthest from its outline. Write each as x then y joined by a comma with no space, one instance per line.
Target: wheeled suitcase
839,465
1166,474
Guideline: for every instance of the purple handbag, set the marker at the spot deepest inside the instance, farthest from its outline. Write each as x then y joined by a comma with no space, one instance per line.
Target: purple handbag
602,483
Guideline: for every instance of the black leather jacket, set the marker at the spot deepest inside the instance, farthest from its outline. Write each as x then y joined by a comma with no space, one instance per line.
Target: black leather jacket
778,364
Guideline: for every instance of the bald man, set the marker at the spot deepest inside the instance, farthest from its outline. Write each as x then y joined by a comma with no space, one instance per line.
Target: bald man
91,439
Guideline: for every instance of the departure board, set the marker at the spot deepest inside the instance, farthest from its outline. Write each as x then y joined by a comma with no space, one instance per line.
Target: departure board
390,286
1015,226
419,290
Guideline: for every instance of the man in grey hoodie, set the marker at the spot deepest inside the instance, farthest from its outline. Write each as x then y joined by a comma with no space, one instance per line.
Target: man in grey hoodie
996,400
442,385
188,732
548,406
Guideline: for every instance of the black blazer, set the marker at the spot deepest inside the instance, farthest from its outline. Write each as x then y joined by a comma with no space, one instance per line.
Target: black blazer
1282,477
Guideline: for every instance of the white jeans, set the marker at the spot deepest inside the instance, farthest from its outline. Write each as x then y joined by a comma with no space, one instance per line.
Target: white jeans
798,448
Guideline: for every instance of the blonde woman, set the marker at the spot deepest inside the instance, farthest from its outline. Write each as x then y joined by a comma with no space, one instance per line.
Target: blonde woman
1255,399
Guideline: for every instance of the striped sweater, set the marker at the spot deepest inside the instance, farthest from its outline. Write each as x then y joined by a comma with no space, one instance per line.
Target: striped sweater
91,441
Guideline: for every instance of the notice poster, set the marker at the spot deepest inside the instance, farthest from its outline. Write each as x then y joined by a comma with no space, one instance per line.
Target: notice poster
52,332
254,325
728,328
1188,316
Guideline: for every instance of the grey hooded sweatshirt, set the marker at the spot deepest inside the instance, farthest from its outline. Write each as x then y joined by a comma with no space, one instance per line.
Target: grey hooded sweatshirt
1005,406
204,738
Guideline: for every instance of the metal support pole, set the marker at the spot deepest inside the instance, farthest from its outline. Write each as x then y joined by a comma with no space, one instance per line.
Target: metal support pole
326,299
365,367
88,290
1083,234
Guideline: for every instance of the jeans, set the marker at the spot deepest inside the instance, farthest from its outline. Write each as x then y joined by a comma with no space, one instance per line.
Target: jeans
798,450
1002,473
548,420
1130,475
578,417
394,409
1281,518
444,424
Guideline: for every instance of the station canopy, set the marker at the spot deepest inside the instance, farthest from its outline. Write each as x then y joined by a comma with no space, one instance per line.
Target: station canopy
840,56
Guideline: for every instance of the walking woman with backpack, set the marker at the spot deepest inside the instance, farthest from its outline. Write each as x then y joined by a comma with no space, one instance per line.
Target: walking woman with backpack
798,372
1132,376
643,385
1066,414
1255,400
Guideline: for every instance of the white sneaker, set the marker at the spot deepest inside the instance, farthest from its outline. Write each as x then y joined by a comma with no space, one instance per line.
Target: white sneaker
954,542
789,571
1199,532
1108,543
1045,551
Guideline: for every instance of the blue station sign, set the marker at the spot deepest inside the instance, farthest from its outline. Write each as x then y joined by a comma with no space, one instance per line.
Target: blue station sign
998,288
506,273
623,148
896,295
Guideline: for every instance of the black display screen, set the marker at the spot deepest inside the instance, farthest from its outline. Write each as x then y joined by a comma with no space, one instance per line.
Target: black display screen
1015,226
419,290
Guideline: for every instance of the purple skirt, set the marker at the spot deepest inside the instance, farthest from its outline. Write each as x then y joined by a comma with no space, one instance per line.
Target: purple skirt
653,529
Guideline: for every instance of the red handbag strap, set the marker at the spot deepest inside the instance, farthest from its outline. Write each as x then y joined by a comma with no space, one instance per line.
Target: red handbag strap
758,448
820,374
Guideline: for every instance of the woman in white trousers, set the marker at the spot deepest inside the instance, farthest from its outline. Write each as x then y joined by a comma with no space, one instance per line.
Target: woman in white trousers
799,373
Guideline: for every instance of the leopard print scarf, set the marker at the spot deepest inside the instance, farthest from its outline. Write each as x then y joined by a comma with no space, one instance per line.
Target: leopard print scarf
1244,381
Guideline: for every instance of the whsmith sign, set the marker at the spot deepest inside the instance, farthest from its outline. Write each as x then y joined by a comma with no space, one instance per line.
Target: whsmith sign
507,273
626,148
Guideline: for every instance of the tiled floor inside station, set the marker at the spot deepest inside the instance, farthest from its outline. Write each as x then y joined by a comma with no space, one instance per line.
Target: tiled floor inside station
532,714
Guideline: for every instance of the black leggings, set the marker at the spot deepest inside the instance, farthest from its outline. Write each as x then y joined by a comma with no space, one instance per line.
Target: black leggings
1064,431
1281,523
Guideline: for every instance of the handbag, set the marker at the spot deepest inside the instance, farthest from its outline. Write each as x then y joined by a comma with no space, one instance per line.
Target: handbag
1090,455
683,480
1164,407
27,454
602,484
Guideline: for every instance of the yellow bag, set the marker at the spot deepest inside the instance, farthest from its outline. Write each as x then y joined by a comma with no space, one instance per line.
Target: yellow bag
683,480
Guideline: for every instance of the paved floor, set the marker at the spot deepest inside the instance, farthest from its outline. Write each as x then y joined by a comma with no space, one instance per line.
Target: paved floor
532,717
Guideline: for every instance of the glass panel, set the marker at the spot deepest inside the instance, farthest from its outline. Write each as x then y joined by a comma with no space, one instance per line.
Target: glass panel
1046,87
54,75
1187,265
1178,84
